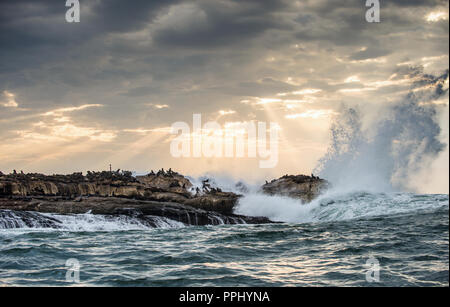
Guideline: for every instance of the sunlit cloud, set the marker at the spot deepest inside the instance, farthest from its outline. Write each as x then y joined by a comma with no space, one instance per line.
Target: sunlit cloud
352,79
267,100
314,114
383,83
278,102
427,61
308,91
138,131
60,127
72,131
436,16
159,106
226,112
379,60
63,119
66,132
166,130
356,90
9,100
375,85
59,112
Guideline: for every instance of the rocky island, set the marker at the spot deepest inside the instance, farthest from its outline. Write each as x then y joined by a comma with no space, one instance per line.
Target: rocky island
303,187
148,198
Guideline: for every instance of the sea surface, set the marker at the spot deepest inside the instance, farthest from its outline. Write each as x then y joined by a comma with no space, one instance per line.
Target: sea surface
358,239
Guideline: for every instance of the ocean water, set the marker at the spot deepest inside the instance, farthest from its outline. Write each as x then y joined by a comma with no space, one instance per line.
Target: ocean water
333,241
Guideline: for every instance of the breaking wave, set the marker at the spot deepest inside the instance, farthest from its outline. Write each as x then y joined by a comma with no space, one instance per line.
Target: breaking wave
80,222
370,168
334,206
402,141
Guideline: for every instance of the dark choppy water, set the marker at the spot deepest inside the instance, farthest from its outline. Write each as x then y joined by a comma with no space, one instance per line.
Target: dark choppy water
412,248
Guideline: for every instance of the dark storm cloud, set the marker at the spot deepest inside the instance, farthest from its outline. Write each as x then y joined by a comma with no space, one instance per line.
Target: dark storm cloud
406,3
37,36
123,16
156,49
142,91
223,23
28,26
38,44
31,24
343,23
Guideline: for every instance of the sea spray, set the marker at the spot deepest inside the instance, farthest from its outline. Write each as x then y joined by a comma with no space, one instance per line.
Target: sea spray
224,182
382,157
335,206
368,168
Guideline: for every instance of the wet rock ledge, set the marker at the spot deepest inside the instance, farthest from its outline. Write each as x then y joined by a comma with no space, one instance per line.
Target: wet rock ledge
165,194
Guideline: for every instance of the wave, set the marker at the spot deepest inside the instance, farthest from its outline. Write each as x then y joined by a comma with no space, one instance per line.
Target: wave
81,222
336,206
392,150
380,157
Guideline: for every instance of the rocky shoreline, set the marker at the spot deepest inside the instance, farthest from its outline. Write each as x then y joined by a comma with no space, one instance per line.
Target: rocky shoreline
164,194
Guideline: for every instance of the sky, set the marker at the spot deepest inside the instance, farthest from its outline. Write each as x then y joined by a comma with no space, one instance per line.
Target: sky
106,90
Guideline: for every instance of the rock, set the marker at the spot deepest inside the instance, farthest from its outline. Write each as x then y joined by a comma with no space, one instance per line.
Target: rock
222,202
143,210
303,187
18,219
172,181
164,194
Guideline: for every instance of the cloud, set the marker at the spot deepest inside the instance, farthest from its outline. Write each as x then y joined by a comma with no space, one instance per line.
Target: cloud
369,53
315,114
131,69
207,23
159,106
163,130
59,112
436,16
64,132
9,100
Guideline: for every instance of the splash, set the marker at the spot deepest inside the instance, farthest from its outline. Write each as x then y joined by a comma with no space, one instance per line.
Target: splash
338,206
370,166
224,182
383,157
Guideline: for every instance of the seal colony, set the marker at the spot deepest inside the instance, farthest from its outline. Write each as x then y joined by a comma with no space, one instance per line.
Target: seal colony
164,194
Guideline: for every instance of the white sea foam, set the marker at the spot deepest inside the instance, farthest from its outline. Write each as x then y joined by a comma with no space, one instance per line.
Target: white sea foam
89,222
335,206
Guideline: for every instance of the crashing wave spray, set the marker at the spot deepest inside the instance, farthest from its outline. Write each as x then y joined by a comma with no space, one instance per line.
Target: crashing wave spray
383,157
378,159
337,206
